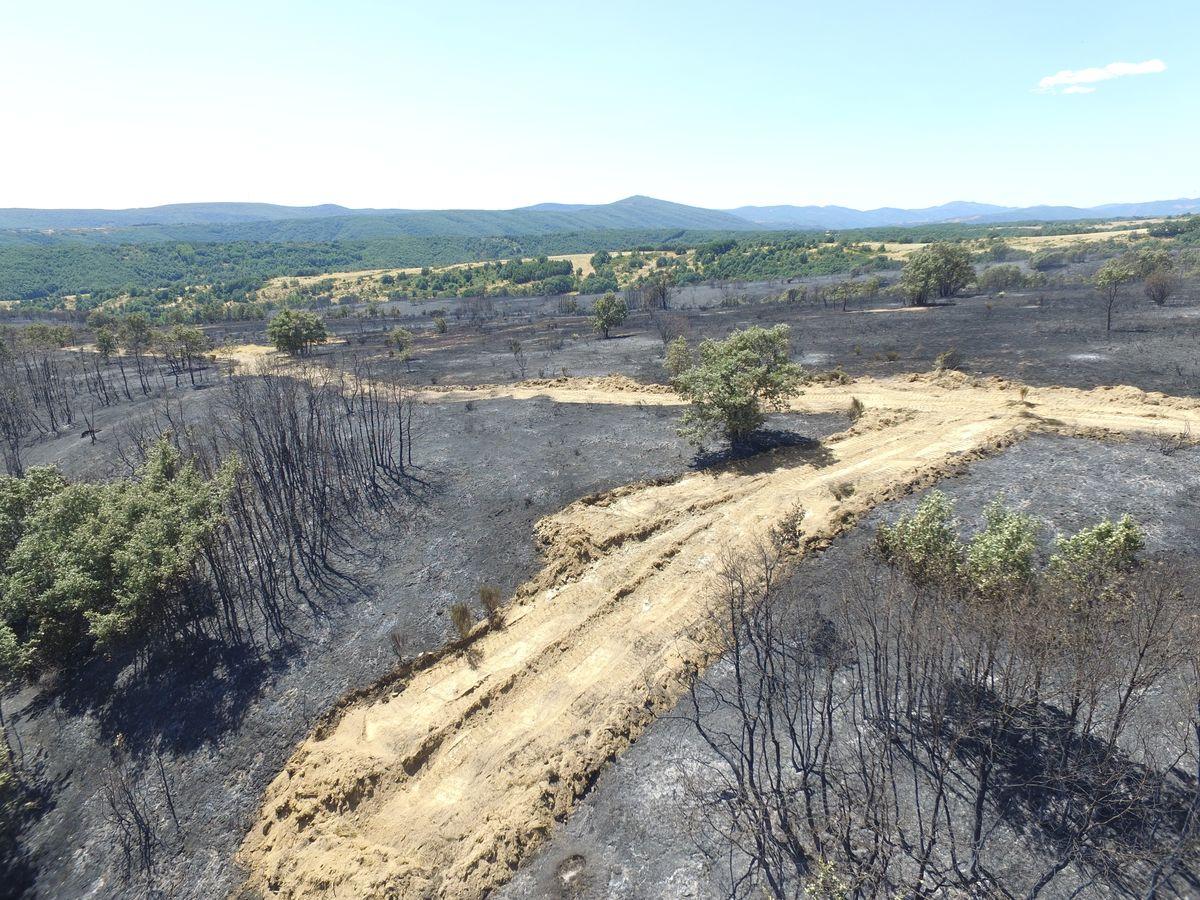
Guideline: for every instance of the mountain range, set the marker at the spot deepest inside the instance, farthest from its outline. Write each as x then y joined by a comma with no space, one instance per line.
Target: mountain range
264,221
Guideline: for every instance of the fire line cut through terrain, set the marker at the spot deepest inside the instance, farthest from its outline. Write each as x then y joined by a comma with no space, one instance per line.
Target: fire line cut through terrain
438,784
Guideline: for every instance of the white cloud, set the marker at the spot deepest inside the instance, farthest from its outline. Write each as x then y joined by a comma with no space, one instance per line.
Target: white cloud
1075,81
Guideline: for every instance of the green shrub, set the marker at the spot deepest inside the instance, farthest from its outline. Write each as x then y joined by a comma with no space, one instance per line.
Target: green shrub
678,358
85,566
951,360
788,534
1096,554
1045,260
1000,559
597,283
1000,278
925,545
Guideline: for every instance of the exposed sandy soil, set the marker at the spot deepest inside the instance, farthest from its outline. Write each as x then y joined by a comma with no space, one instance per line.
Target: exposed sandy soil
1040,241
642,830
438,783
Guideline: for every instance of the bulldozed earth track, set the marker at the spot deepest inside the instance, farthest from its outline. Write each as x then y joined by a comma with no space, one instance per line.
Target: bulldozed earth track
437,782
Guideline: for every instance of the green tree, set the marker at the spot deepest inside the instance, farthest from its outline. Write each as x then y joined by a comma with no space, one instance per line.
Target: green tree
735,382
608,312
1110,279
106,342
601,258
295,332
401,342
136,333
88,565
938,270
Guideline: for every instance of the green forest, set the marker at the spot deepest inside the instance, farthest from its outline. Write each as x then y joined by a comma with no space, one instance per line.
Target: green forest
219,279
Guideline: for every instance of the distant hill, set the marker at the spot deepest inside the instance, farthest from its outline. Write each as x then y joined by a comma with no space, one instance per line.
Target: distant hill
266,222
836,217
216,222
172,214
841,217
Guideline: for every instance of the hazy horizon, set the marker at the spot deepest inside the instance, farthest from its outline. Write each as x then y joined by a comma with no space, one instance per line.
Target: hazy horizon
570,202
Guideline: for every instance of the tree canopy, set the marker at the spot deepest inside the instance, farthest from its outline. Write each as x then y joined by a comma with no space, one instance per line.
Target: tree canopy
939,270
295,332
608,312
84,566
735,382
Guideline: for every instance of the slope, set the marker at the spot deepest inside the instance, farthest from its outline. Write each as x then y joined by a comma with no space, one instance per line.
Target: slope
438,783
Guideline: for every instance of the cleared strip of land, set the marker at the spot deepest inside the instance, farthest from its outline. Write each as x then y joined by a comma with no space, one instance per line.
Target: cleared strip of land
438,785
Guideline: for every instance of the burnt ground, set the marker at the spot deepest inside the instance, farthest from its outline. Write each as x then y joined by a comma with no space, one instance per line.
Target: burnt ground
223,726
1054,336
637,834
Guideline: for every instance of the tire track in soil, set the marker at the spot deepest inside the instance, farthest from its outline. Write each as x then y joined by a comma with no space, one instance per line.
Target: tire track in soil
438,783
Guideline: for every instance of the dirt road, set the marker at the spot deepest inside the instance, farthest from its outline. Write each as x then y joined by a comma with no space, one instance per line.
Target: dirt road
438,787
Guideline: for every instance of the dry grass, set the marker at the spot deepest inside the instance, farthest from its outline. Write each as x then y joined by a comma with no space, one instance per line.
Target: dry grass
463,619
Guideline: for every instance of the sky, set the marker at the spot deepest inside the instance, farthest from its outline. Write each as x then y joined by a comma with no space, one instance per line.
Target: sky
497,105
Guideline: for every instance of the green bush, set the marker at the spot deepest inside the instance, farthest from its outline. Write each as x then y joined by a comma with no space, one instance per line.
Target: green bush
1094,555
1045,260
1001,558
925,545
1000,278
598,283
85,566
679,357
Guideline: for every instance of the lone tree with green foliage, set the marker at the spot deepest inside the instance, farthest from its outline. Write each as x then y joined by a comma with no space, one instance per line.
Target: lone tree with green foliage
295,332
401,342
939,270
734,383
608,312
1112,276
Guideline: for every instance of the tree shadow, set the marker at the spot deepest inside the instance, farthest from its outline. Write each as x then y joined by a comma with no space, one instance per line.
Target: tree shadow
178,697
27,796
765,451
1077,795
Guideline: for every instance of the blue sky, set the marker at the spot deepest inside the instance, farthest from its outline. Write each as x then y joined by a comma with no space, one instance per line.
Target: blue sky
485,104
